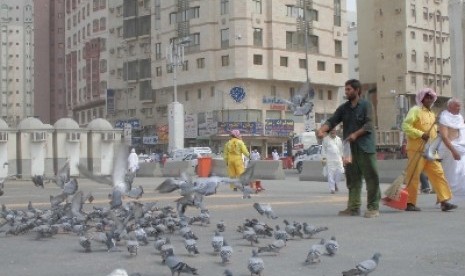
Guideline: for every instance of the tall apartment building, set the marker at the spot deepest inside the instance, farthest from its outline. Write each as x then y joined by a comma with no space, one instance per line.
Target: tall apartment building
49,41
403,47
457,33
352,41
241,58
88,71
16,60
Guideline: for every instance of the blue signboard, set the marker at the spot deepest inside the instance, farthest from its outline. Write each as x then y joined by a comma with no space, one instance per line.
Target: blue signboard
278,127
135,123
246,128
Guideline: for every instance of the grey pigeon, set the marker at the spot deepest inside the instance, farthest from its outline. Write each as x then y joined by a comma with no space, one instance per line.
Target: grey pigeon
176,265
38,180
331,246
58,199
133,246
166,249
135,192
255,264
313,255
84,241
159,242
227,272
292,230
220,226
70,187
217,242
226,252
250,236
273,247
191,246
116,199
364,267
280,234
311,230
265,209
62,175
2,186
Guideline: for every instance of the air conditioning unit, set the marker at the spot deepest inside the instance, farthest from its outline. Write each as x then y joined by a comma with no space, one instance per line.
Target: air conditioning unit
73,136
398,10
141,2
112,51
38,136
108,136
399,55
112,30
400,78
111,10
112,72
3,137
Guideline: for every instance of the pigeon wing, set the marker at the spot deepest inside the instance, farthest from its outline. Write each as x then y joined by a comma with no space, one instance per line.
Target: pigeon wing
97,178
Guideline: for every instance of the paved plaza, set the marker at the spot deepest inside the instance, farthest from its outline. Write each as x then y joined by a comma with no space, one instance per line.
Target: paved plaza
430,242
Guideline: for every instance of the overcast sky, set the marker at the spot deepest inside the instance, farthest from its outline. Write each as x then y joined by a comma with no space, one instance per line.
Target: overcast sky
351,5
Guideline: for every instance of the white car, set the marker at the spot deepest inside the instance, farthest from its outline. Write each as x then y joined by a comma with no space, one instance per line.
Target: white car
313,153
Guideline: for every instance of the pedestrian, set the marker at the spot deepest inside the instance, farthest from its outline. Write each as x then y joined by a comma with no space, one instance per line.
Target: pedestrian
356,114
419,126
255,155
275,154
424,184
133,161
452,150
233,151
331,157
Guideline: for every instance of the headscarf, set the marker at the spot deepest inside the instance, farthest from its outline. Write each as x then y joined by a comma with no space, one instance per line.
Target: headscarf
422,93
236,133
451,120
133,151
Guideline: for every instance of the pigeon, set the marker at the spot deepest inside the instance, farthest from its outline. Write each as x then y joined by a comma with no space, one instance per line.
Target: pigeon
84,241
265,209
313,255
191,246
280,234
159,242
57,200
220,226
133,246
273,247
255,264
70,187
176,265
62,175
225,252
38,180
217,242
331,246
227,272
115,199
135,192
311,230
2,186
186,232
364,267
250,236
292,230
302,103
242,183
166,249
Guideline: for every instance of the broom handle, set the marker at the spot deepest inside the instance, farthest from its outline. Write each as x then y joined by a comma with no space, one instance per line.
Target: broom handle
418,154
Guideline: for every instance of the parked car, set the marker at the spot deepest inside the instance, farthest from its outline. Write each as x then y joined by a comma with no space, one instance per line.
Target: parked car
313,153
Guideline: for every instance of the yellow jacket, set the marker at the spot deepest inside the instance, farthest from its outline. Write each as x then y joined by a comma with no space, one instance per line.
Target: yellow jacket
233,149
418,121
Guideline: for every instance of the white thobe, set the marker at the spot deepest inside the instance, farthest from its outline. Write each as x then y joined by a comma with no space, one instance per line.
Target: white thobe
332,150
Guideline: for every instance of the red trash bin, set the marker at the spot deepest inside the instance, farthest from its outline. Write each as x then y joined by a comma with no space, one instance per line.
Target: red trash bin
204,166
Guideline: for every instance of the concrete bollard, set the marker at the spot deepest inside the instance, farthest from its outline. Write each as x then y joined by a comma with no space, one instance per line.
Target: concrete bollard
268,169
174,168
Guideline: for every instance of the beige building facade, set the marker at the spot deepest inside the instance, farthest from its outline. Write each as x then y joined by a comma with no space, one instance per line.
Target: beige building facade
16,60
242,58
403,47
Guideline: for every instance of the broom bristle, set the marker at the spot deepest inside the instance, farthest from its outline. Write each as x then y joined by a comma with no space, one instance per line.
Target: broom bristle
393,191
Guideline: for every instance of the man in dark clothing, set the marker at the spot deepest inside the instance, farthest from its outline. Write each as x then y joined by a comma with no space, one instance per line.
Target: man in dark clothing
357,117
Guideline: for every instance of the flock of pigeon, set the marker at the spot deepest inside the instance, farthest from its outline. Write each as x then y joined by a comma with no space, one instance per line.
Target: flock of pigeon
131,224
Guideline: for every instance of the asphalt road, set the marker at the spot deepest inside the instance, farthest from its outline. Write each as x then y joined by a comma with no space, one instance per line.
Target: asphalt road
430,242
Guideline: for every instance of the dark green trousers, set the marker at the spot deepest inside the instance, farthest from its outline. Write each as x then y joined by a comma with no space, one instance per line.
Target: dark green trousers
362,164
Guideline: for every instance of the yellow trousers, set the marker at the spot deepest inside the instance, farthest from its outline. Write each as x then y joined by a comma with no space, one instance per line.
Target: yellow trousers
432,169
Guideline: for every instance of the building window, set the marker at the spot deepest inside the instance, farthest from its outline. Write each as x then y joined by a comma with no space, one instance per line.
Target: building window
224,38
412,34
172,18
95,25
199,94
425,13
414,56
337,13
330,95
302,63
158,70
413,80
257,6
413,10
186,96
225,60
338,68
321,65
158,51
224,7
212,91
273,91
201,63
425,37
338,48
185,65
257,59
103,23
283,61
258,37
320,95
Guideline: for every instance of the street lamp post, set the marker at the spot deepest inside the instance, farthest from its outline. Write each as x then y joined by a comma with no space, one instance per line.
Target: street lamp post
174,59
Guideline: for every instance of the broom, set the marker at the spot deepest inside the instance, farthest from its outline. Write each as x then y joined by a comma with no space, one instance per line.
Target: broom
393,192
